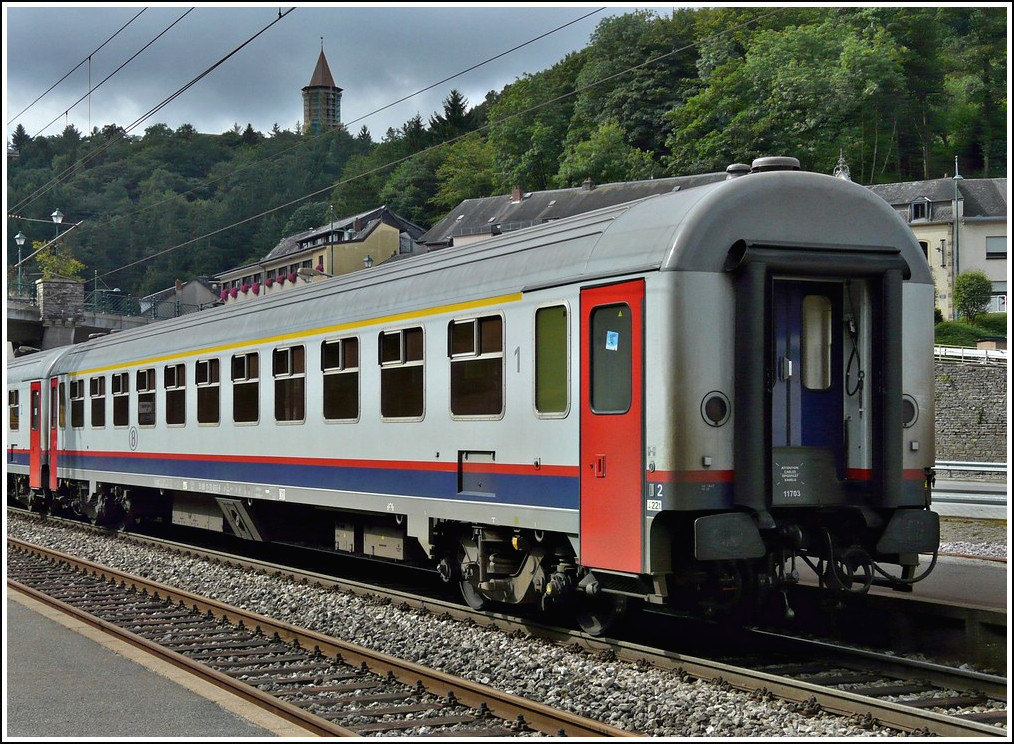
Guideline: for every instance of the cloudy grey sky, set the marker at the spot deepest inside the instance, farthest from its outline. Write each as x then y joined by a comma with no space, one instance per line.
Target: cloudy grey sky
378,54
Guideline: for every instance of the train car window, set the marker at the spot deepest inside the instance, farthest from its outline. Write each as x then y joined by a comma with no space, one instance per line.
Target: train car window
54,405
36,412
475,347
245,388
97,397
121,399
174,381
62,417
288,367
339,362
13,410
208,395
401,373
611,360
145,397
552,392
77,403
816,342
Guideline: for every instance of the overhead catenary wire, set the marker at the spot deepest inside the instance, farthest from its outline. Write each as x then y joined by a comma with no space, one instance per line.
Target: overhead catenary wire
107,77
61,178
343,182
68,74
67,173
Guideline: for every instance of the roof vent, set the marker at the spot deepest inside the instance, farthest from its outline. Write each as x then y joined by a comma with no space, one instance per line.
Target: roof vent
762,165
736,169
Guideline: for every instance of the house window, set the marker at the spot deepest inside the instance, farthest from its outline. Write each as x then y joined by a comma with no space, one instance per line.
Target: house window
174,380
288,366
97,397
121,399
996,247
919,210
77,403
146,397
475,347
207,391
245,388
401,373
339,361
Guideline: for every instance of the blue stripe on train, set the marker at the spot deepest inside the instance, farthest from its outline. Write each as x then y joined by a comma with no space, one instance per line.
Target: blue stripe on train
558,492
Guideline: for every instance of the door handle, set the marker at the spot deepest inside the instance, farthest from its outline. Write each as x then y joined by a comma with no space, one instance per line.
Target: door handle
784,368
599,466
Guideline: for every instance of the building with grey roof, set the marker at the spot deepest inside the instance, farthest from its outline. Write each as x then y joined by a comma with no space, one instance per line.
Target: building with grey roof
339,247
976,241
477,219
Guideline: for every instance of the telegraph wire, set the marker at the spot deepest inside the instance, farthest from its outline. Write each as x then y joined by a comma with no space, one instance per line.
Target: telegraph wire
62,177
56,180
131,59
530,109
50,88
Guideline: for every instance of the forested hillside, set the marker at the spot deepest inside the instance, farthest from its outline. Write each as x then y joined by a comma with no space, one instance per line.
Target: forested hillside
898,91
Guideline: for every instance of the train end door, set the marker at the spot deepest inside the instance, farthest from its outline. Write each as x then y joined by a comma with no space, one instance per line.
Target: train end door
807,412
612,429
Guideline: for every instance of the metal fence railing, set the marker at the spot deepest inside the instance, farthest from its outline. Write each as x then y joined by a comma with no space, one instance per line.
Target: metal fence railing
960,466
969,355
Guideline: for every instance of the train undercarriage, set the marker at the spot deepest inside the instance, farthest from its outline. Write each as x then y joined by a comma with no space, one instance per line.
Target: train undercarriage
506,567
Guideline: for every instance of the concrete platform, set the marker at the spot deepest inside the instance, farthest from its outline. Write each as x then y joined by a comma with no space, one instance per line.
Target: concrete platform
63,678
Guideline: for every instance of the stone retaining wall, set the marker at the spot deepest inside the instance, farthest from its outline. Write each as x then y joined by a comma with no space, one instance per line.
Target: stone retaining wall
971,411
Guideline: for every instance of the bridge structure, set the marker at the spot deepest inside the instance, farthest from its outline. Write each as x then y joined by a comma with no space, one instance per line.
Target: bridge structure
32,327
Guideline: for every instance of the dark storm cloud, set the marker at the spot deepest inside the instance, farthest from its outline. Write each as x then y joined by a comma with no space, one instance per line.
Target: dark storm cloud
377,55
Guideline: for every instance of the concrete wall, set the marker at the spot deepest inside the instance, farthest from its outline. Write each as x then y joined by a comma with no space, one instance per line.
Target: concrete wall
971,411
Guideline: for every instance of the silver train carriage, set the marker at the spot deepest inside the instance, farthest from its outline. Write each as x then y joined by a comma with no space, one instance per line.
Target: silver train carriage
671,400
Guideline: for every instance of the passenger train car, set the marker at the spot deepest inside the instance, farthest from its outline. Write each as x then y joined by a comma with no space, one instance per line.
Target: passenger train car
668,401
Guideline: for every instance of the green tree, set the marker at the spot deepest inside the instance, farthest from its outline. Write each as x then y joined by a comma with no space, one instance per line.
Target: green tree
454,121
20,137
528,125
605,157
465,173
57,261
972,294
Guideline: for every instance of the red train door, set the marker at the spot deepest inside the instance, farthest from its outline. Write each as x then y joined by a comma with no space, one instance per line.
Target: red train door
55,406
612,470
35,436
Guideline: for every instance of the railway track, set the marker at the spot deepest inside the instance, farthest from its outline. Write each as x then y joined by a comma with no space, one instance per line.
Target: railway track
863,686
326,686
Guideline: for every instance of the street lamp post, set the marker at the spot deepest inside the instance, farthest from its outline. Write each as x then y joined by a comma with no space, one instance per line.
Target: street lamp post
20,240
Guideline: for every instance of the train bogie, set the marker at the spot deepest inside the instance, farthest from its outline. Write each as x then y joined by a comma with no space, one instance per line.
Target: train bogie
666,401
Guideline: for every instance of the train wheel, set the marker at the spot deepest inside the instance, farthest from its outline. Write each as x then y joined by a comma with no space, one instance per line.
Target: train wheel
597,615
473,598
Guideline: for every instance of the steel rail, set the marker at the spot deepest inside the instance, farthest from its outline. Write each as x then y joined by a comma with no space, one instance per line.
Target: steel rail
503,705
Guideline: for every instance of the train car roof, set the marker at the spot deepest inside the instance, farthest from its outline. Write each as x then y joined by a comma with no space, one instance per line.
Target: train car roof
687,230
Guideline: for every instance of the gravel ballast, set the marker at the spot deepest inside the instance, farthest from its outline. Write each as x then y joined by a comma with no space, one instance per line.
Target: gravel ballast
648,701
